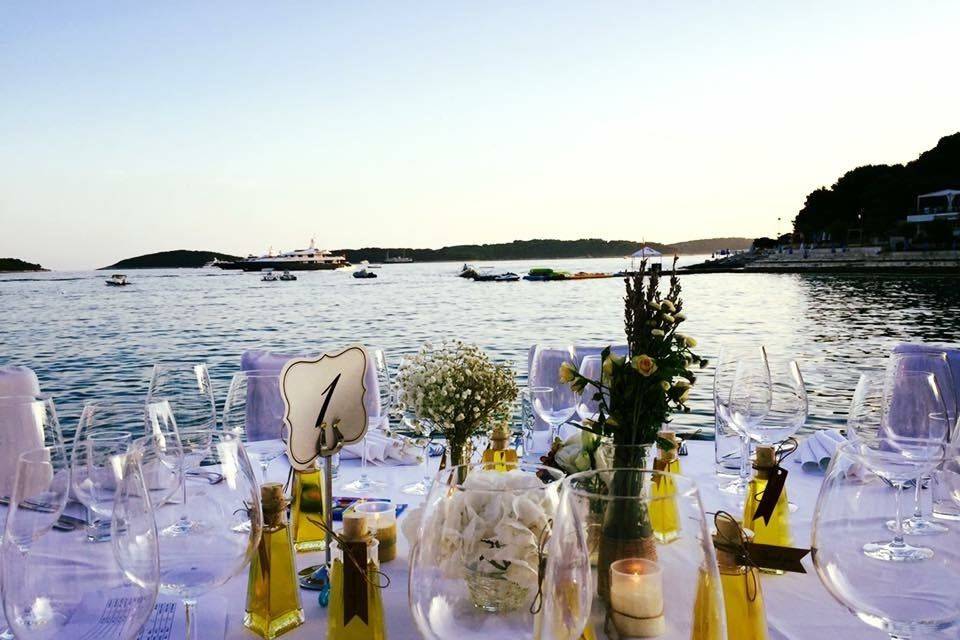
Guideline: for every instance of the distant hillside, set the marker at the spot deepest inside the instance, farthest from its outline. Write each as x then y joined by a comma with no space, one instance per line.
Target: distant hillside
542,250
14,264
711,245
178,259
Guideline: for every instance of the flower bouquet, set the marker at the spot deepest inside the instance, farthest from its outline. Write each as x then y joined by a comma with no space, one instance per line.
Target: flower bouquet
636,396
459,390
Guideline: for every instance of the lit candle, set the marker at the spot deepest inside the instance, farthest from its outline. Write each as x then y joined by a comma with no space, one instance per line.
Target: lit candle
636,598
382,521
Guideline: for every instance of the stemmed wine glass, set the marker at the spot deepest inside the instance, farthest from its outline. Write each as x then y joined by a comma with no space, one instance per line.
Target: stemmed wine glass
882,416
186,386
553,402
904,599
935,363
210,552
589,407
93,473
55,585
746,395
365,483
914,408
184,449
254,410
26,422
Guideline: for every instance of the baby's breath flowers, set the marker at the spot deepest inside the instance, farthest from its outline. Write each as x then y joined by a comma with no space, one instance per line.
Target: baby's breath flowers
458,389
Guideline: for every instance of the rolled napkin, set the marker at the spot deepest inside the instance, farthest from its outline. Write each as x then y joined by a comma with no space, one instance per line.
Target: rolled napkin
814,453
18,381
385,449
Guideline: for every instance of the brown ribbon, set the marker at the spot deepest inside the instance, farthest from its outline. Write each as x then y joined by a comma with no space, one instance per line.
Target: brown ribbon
752,554
355,577
537,603
775,483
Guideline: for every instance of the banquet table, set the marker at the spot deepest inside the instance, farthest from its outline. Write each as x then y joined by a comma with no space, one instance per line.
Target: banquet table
798,606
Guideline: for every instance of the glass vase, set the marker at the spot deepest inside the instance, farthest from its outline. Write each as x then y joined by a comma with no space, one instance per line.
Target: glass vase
474,570
652,588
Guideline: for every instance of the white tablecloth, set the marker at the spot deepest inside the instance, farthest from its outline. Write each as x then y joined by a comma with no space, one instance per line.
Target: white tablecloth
798,606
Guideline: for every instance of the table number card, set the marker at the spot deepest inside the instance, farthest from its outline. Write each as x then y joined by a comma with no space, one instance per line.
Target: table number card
323,402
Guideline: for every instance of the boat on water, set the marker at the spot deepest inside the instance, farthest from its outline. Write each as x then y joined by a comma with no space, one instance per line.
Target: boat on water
401,259
309,259
507,276
543,274
117,280
364,273
213,263
286,276
268,275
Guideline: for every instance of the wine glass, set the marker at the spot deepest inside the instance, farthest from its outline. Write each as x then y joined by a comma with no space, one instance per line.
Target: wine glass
544,373
914,408
589,407
482,582
936,364
908,598
385,389
186,386
603,585
554,405
254,411
182,451
746,395
93,473
26,422
210,552
422,436
55,585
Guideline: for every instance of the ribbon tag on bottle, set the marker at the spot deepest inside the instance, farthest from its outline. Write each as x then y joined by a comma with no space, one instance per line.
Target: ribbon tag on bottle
762,556
771,494
775,558
323,401
355,600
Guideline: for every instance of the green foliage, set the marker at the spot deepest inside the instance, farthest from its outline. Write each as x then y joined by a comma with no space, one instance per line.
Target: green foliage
884,194
637,394
14,264
178,259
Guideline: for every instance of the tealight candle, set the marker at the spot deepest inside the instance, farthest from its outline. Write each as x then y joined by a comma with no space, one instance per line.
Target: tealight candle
381,519
636,598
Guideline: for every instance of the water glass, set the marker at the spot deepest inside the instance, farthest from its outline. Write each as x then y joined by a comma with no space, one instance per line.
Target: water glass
186,386
93,472
554,405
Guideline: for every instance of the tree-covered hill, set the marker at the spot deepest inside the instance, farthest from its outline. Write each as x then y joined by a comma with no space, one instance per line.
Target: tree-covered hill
180,258
883,194
15,264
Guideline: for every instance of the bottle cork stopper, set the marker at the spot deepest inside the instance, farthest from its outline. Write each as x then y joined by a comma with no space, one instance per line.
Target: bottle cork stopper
272,498
354,526
766,456
670,436
499,437
728,532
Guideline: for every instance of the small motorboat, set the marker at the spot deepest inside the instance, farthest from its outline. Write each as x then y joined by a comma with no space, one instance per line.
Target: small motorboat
268,275
508,276
543,274
117,280
468,271
286,276
363,273
588,275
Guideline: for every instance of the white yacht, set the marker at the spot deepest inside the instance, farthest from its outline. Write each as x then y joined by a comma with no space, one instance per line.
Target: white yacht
309,259
269,275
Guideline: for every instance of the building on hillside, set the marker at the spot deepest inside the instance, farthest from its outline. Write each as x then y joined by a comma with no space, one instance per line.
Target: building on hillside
941,207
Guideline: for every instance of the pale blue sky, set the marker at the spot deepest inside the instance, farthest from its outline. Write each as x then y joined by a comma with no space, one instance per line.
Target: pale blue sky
130,127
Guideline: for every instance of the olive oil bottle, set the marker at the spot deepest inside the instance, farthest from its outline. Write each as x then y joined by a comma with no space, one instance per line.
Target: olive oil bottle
273,594
308,505
498,457
347,618
742,595
777,530
664,513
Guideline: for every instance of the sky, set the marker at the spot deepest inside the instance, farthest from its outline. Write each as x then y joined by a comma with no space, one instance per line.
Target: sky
235,126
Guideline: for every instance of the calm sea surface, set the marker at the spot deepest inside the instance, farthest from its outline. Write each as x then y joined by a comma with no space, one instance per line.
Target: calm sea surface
86,340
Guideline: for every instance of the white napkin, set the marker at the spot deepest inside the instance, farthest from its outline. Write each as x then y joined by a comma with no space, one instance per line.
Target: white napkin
384,449
815,452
